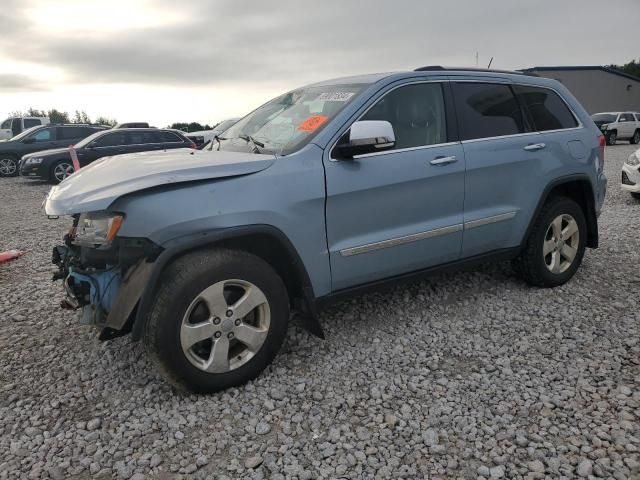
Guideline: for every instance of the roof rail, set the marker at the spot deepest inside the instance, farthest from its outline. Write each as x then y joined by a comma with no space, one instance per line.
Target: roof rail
438,68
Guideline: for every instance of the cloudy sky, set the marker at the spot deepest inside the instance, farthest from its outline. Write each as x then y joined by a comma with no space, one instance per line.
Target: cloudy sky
205,60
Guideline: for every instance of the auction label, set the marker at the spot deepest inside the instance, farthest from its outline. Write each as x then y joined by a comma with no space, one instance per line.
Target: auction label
335,96
312,122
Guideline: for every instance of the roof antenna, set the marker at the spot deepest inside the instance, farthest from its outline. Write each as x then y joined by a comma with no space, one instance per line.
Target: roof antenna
489,66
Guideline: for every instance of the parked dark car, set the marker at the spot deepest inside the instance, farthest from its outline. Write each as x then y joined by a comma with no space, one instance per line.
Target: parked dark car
36,139
56,165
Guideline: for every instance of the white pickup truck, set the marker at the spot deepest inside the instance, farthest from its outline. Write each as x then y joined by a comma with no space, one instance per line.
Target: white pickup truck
12,126
619,126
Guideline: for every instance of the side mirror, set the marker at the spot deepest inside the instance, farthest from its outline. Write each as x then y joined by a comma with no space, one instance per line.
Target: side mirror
29,140
366,136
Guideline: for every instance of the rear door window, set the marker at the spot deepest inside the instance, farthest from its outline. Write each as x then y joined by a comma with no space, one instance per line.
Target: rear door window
111,140
71,133
141,137
31,122
486,110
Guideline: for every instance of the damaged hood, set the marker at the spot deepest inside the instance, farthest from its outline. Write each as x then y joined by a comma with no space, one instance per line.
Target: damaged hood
99,184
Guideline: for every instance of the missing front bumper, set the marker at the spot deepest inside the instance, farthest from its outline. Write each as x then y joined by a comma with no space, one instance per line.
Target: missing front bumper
106,297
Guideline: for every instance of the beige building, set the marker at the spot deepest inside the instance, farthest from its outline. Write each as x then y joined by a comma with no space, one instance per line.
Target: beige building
599,89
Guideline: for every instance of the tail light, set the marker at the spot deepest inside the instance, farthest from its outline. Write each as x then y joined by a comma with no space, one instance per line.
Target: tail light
602,142
193,145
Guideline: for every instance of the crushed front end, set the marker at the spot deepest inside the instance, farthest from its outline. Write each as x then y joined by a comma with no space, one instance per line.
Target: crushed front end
103,275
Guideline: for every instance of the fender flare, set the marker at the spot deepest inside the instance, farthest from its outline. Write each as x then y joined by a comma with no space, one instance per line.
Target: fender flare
590,210
179,246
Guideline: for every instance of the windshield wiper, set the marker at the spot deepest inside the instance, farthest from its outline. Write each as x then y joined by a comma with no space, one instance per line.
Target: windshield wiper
217,139
249,138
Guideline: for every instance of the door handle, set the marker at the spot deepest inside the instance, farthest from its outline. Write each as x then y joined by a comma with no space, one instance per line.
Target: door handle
443,160
534,147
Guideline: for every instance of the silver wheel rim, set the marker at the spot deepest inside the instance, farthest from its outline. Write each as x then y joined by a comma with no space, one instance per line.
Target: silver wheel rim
7,166
62,171
225,326
636,137
561,243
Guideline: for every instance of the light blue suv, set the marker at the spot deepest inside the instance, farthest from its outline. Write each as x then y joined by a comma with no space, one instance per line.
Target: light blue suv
323,192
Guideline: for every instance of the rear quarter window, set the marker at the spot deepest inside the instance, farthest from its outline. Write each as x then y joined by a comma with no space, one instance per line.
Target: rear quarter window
487,110
169,137
546,110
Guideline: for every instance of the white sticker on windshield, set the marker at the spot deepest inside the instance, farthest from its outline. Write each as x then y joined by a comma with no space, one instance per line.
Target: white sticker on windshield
335,96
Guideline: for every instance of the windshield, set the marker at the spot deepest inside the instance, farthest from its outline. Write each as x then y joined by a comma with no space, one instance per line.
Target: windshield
604,117
86,141
288,122
26,132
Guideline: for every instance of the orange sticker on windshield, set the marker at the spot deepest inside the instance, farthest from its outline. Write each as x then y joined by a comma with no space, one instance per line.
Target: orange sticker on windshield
312,122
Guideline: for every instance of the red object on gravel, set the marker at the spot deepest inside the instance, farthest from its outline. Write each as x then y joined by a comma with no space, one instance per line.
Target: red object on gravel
10,255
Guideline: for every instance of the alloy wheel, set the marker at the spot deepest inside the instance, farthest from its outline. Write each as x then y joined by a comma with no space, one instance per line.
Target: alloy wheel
7,166
561,243
225,326
62,171
636,137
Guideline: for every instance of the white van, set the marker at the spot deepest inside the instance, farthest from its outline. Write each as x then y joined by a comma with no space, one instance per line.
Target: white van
11,127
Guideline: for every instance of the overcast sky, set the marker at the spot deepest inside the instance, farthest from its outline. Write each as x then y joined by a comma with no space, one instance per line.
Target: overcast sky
206,60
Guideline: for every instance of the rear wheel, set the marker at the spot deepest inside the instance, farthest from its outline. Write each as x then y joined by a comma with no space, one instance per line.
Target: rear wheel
61,170
555,247
612,138
8,166
636,138
218,320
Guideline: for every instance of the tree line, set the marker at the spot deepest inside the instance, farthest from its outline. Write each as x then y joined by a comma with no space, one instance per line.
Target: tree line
57,116
632,68
80,116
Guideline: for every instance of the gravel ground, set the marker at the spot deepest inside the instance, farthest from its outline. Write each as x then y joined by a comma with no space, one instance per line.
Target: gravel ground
468,375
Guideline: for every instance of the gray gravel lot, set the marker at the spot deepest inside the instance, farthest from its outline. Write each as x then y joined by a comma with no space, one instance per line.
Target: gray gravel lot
468,375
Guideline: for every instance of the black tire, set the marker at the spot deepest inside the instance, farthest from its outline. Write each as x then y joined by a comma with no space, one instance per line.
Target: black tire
635,195
52,173
531,264
636,138
8,166
612,138
181,283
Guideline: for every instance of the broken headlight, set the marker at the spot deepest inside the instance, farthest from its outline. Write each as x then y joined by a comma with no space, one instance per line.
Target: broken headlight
97,229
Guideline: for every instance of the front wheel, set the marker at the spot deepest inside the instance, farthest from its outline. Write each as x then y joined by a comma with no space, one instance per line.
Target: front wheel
8,166
556,244
61,170
219,318
636,138
612,138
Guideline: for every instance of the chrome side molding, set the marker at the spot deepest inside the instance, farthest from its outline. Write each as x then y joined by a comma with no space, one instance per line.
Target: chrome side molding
437,232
